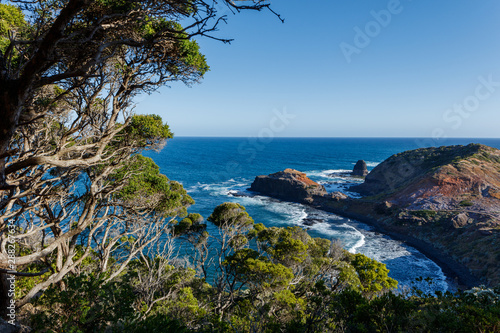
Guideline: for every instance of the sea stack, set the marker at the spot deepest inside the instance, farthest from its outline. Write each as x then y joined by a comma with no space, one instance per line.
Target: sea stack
360,169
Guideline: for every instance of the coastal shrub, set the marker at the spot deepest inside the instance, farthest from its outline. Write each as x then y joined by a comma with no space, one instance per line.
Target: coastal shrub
388,312
485,156
87,304
230,215
373,275
461,312
270,280
426,214
157,323
466,203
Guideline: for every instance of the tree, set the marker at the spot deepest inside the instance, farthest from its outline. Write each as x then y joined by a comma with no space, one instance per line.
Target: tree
71,176
372,275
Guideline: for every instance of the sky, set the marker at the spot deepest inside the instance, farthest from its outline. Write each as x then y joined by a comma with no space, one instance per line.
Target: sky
346,68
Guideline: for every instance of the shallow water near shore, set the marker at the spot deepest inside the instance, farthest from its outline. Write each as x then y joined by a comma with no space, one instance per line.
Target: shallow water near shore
216,170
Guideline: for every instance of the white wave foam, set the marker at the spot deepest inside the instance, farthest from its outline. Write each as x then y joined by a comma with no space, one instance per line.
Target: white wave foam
361,239
382,248
251,201
289,213
349,236
323,215
333,187
221,189
369,164
325,173
406,264
325,229
340,187
294,213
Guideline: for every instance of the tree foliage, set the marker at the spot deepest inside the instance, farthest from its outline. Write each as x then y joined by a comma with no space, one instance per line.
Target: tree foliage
148,130
373,275
146,188
11,19
230,215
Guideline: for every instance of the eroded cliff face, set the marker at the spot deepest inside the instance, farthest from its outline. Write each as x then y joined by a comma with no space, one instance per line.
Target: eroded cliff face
454,178
289,185
402,169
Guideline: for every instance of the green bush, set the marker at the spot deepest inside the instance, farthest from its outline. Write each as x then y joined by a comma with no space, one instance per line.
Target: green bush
466,203
427,214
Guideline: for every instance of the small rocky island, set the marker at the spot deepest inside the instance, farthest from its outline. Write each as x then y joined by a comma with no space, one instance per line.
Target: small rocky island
288,185
444,201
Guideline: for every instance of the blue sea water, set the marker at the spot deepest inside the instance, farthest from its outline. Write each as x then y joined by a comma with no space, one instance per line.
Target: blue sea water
213,170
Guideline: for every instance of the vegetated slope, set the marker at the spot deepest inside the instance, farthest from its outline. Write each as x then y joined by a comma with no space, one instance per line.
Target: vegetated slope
446,196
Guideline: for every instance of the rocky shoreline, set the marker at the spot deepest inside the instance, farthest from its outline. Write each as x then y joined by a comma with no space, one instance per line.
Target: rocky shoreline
441,201
456,272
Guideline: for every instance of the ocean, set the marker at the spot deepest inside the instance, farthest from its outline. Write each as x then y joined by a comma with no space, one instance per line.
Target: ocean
217,170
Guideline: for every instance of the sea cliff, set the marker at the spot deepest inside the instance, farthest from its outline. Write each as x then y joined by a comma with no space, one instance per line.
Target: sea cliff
444,201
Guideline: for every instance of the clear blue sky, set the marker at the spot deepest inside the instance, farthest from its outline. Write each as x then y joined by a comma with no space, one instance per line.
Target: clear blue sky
433,70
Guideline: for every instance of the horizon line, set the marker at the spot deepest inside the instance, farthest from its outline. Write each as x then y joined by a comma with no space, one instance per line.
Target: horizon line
334,137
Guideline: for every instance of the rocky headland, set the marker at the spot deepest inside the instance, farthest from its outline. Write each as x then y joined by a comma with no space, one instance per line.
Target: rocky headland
444,201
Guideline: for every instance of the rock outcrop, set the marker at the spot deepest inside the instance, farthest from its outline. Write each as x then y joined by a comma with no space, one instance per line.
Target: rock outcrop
360,169
288,185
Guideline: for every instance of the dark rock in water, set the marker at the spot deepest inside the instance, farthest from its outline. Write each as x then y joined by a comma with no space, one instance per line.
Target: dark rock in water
289,185
340,174
309,222
360,169
237,193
